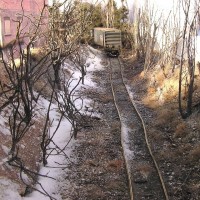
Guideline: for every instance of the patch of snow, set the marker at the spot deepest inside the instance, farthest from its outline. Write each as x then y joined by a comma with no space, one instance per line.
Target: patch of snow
5,149
94,63
22,146
53,168
25,178
3,128
63,135
9,190
129,154
62,139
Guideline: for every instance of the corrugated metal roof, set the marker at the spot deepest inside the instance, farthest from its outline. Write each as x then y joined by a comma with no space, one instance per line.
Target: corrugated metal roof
107,29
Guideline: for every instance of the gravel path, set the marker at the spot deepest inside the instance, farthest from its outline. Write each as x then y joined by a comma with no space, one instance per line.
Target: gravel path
99,172
144,177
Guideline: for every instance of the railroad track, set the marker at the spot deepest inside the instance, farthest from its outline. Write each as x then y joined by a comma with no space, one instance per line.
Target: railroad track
145,179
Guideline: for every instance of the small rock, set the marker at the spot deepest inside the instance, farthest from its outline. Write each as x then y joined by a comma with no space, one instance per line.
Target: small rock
139,178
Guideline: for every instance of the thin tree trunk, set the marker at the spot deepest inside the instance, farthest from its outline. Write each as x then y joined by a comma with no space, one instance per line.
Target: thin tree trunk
56,68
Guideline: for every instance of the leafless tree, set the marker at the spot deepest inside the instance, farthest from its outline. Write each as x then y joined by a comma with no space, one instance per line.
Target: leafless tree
187,63
18,93
60,37
140,32
68,23
79,60
23,68
176,36
110,14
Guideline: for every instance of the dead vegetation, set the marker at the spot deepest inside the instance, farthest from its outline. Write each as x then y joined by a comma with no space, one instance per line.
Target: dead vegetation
174,141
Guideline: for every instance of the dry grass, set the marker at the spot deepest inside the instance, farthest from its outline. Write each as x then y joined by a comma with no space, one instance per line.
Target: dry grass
43,87
181,130
105,98
17,63
144,169
194,120
36,53
156,137
174,141
151,90
163,86
194,155
142,74
115,164
159,77
164,91
151,102
166,116
167,155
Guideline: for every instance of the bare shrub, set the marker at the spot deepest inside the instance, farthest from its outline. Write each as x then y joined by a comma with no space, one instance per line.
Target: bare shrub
194,155
156,137
165,116
181,130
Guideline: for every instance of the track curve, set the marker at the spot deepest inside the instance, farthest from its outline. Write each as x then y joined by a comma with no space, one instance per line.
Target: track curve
145,179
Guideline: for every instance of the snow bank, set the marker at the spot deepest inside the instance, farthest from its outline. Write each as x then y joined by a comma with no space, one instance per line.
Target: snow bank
8,189
53,170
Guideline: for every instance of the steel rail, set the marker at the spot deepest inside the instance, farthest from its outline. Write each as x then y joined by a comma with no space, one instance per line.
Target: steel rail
122,144
145,134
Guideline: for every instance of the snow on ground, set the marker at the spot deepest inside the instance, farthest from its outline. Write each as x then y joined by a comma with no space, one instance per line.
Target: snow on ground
129,154
4,130
8,189
61,138
63,135
92,63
